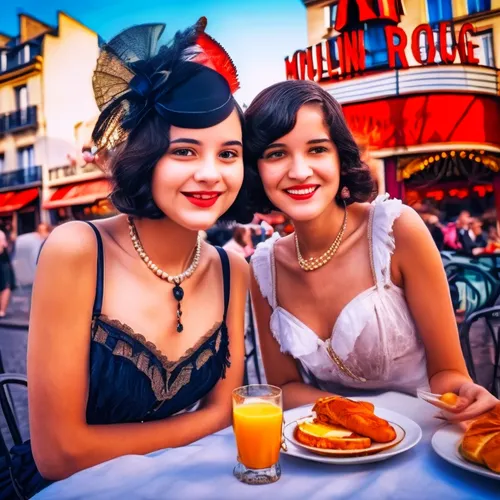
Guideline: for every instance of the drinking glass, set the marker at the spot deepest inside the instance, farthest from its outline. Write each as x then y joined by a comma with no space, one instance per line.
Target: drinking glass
257,424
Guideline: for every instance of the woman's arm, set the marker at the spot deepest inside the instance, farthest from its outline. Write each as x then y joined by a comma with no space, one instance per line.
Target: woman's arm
280,368
417,260
58,359
220,398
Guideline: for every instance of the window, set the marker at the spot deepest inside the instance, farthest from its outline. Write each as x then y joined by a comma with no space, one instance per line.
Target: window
3,61
475,6
424,46
484,51
330,13
2,162
439,10
24,55
25,157
375,46
22,104
21,97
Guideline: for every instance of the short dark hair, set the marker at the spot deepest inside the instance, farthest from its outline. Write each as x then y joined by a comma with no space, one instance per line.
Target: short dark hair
132,164
273,114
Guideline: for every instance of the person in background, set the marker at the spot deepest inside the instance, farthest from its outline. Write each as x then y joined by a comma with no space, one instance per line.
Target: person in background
456,234
241,242
436,230
477,236
219,234
7,278
493,245
43,230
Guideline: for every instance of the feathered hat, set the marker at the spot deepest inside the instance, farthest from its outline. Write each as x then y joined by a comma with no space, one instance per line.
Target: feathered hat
189,81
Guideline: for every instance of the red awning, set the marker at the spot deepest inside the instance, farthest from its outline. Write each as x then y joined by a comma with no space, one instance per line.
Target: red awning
424,119
12,201
82,193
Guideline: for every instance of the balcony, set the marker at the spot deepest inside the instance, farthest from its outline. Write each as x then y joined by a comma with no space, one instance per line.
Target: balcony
58,176
18,120
21,177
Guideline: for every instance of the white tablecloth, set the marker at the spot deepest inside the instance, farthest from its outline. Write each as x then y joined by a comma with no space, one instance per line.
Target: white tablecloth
203,470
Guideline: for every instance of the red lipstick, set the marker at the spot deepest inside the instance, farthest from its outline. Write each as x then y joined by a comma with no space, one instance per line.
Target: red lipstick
203,199
301,192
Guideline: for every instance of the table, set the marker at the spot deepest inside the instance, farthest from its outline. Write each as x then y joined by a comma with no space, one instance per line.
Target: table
203,470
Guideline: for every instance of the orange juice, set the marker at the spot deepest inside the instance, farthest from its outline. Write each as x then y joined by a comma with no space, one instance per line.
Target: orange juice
257,427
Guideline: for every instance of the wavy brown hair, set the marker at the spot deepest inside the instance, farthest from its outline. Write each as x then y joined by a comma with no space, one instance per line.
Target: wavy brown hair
273,114
131,168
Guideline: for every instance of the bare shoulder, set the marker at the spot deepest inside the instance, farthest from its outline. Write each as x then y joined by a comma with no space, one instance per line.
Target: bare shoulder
71,243
284,249
239,266
409,228
413,241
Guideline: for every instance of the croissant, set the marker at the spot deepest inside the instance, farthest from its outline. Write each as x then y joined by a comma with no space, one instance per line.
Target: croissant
357,416
481,441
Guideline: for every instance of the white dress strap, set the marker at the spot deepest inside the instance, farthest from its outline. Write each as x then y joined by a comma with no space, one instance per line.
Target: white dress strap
384,212
264,269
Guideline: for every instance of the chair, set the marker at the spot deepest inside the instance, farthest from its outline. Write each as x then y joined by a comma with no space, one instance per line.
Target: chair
252,351
491,262
9,415
491,317
471,287
446,256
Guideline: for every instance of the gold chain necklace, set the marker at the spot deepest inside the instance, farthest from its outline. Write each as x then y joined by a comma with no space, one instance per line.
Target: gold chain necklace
178,291
313,263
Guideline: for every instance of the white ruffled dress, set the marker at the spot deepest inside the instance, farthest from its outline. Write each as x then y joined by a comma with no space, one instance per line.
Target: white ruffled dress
374,343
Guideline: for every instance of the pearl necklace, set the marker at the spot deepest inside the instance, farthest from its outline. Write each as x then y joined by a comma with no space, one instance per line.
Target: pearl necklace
178,291
313,263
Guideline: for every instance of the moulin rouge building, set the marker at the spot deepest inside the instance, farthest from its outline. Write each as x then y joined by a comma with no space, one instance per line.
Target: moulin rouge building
419,85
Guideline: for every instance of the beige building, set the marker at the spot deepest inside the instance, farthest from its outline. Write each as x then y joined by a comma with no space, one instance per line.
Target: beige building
45,89
419,85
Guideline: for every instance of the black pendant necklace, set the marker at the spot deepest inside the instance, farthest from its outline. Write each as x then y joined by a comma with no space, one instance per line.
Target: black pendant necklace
177,291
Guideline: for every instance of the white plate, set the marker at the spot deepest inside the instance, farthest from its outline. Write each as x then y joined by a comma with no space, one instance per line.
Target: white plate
445,443
413,434
374,448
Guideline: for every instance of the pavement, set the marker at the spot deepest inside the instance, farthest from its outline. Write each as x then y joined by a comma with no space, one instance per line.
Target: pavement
18,312
13,348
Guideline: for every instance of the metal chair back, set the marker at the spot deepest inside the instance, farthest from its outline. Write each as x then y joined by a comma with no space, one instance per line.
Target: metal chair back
491,318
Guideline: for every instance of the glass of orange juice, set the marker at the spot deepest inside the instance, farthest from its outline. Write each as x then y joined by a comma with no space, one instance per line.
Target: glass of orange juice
257,424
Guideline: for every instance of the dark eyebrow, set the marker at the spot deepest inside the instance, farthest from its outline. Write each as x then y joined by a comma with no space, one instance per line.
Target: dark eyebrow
276,145
186,140
312,141
318,141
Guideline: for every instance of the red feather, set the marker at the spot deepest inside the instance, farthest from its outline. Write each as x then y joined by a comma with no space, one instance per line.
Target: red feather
215,57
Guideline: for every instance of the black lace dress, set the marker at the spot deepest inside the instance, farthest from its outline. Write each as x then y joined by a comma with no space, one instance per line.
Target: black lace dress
131,380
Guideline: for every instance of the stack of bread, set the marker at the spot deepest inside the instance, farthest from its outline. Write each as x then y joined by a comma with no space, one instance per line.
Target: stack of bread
343,424
481,441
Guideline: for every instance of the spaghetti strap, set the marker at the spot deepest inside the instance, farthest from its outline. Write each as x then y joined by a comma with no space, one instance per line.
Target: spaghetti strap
99,290
226,278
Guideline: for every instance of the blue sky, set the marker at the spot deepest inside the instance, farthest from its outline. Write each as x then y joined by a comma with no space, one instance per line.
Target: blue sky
258,34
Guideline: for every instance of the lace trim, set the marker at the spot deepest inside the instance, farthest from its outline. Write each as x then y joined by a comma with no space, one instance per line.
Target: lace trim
162,388
151,346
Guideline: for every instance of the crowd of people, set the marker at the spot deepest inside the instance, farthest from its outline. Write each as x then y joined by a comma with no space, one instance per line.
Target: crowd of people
473,235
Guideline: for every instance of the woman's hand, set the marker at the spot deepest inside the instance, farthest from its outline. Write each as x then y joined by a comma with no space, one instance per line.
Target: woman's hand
474,400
